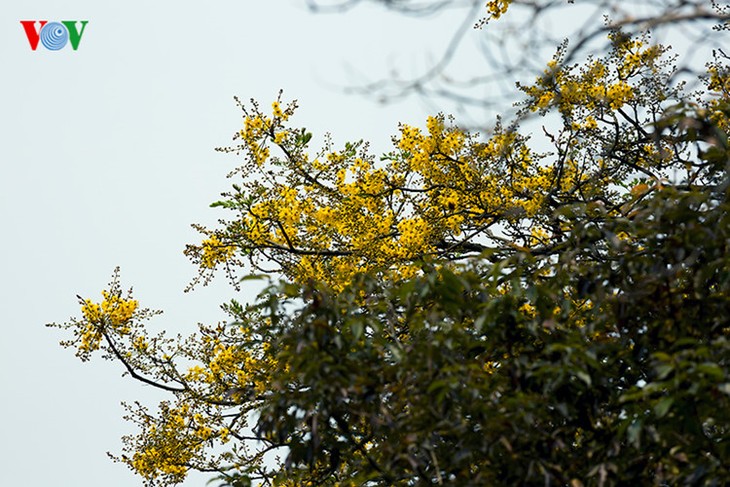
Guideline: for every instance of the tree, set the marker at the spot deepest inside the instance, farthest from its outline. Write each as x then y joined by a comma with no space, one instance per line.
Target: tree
466,309
516,47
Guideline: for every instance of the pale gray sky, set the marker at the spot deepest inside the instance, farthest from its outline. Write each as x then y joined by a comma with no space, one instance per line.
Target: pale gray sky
107,157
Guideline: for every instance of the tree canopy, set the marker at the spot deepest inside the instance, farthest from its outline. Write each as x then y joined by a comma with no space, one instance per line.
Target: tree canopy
500,308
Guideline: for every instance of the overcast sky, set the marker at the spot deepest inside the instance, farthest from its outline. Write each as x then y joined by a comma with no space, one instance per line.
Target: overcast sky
107,157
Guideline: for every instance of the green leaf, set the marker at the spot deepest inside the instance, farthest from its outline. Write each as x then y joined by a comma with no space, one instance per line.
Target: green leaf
662,407
663,370
633,433
357,329
662,356
224,204
712,370
584,376
438,384
479,323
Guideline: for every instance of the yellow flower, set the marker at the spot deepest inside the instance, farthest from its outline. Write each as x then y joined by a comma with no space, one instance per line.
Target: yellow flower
113,308
278,112
215,252
117,309
497,8
91,311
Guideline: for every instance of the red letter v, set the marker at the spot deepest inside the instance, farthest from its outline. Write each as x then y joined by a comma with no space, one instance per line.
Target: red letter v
32,34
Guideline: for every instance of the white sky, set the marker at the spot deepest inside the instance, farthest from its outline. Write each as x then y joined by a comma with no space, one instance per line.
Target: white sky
107,157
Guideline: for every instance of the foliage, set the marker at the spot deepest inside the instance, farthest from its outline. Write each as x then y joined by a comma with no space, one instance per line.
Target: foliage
604,371
466,309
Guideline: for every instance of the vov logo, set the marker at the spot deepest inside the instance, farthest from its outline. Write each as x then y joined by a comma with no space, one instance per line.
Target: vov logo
54,35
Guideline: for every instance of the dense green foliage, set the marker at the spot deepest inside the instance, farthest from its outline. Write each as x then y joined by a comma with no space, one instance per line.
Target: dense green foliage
618,376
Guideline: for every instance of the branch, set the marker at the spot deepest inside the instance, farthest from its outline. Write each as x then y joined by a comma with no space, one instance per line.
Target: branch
133,372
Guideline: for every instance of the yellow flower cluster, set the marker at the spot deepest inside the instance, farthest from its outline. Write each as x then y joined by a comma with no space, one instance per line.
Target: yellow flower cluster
90,338
330,221
231,361
718,79
227,369
342,212
116,317
414,237
167,449
174,440
599,85
591,89
215,252
115,309
256,127
634,55
540,236
497,8
619,94
718,82
278,112
91,311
